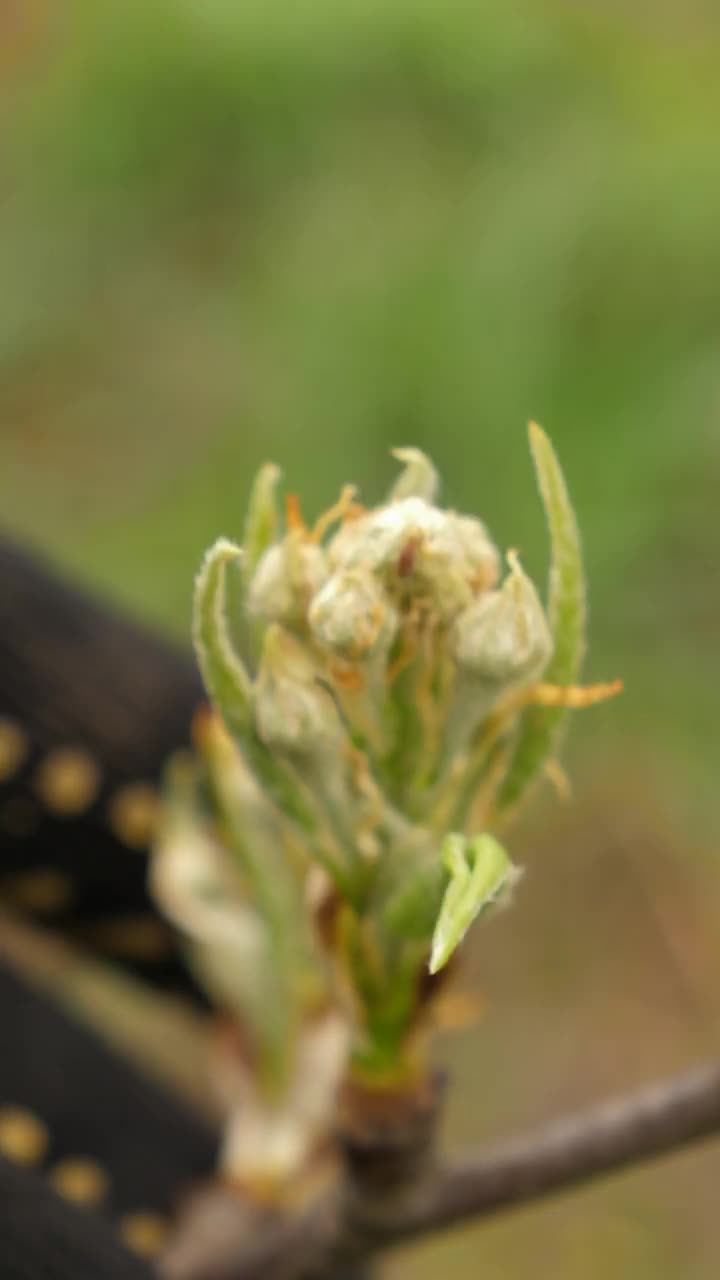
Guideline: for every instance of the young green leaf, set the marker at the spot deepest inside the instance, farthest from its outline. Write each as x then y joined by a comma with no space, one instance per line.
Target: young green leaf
479,870
540,726
224,676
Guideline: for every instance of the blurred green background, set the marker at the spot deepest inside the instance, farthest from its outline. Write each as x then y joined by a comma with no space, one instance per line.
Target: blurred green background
233,231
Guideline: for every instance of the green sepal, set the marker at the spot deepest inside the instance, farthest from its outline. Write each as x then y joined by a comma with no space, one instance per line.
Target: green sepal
419,479
540,726
224,675
228,683
480,871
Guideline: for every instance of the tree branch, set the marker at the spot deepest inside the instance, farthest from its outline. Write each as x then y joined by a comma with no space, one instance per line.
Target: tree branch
342,1230
627,1131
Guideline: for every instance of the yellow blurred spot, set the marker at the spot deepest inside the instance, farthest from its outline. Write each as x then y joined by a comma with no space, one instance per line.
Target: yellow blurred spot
23,1138
146,1233
80,1180
457,1010
200,725
133,814
13,748
45,890
67,781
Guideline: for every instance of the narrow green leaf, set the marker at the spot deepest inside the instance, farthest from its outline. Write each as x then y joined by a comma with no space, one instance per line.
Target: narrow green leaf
224,675
262,518
566,599
480,870
540,726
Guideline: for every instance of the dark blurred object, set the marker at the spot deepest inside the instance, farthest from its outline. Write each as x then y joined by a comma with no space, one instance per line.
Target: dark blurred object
91,705
43,1239
88,1103
94,1156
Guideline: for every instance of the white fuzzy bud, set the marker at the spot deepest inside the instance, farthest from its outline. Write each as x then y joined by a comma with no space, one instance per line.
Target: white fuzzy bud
454,562
377,540
294,713
420,550
287,577
351,615
503,636
479,554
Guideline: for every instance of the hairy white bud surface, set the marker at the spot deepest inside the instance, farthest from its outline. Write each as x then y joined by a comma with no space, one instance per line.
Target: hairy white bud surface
287,577
375,541
504,635
480,556
419,549
294,712
351,615
418,478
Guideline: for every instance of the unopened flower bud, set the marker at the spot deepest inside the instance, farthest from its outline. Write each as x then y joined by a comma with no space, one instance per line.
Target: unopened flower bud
504,635
294,712
454,562
287,577
419,479
351,615
418,549
378,540
480,555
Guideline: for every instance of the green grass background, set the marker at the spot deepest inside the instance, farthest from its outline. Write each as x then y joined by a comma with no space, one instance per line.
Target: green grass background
234,231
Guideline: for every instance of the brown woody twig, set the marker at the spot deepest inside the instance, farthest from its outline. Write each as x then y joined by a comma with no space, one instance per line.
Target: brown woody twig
610,1136
341,1230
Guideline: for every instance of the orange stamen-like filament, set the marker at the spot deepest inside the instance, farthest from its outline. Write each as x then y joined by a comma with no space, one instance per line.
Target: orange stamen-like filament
573,695
344,508
293,514
350,678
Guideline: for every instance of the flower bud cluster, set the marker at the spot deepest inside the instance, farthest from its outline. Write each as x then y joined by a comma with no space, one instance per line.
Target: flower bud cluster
393,635
388,689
